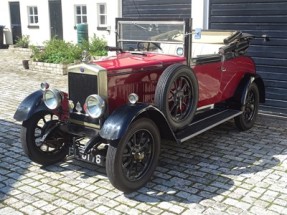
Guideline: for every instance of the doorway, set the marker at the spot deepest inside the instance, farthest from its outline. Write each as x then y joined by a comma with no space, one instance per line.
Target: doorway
56,23
15,21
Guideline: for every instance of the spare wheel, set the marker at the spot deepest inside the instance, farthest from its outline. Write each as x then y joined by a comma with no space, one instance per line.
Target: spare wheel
176,95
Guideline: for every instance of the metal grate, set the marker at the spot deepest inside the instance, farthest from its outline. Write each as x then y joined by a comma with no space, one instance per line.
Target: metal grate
81,86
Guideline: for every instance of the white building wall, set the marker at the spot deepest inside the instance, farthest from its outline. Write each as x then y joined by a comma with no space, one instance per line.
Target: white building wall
37,35
41,34
200,13
70,33
5,20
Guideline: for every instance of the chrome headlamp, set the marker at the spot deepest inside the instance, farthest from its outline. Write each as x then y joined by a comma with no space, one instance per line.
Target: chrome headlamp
95,106
52,98
133,98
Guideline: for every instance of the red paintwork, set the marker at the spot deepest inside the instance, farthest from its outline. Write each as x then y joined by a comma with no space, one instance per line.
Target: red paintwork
218,81
131,73
63,114
128,73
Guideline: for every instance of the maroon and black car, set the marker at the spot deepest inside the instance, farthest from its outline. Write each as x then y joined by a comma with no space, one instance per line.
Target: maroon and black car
164,81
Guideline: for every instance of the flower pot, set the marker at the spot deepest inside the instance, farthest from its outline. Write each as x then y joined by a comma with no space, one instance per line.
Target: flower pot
25,64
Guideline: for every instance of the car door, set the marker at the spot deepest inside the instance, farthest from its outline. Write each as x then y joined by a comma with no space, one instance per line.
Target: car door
209,78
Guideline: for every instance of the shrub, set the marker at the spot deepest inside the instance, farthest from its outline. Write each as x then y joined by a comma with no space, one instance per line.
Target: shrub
97,46
57,51
23,42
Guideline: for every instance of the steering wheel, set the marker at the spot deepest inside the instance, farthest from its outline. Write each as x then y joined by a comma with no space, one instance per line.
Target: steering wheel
146,46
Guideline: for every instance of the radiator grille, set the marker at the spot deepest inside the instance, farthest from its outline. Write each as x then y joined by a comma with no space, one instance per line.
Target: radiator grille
81,86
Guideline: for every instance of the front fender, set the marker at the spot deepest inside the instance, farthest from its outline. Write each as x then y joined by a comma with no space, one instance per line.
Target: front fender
30,105
117,124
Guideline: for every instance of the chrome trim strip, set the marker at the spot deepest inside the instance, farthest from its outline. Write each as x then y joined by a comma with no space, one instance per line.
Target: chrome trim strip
206,107
209,127
92,69
84,123
102,83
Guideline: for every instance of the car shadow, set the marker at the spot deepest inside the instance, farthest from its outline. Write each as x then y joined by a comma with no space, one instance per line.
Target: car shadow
208,165
205,167
13,162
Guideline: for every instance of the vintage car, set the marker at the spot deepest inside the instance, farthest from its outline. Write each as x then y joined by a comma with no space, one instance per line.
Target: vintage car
164,81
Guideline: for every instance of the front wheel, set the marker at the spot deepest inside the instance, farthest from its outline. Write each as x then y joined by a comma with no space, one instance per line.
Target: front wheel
53,149
247,119
131,163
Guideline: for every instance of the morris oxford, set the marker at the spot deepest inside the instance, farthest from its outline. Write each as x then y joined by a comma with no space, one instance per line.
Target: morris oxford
163,80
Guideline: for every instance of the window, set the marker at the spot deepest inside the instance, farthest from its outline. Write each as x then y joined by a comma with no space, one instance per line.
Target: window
33,15
81,14
102,15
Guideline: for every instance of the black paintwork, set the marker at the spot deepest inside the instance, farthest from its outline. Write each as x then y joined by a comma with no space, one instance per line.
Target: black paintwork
205,121
204,59
29,106
117,124
242,89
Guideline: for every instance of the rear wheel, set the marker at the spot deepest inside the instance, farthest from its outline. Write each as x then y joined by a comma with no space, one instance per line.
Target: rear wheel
131,163
53,149
247,119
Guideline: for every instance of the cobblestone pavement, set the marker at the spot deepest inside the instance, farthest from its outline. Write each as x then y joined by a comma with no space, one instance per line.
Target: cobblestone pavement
222,171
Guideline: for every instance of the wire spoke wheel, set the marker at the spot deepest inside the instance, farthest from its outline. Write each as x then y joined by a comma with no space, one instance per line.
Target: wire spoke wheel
179,98
247,119
42,140
131,163
137,154
176,95
250,106
54,143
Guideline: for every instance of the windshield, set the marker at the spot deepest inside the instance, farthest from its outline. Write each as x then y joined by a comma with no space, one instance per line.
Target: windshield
153,36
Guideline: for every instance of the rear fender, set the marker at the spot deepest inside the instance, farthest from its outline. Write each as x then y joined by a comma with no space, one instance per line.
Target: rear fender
117,124
242,89
29,106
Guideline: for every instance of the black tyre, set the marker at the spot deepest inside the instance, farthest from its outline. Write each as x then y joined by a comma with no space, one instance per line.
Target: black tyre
131,163
54,149
176,95
247,119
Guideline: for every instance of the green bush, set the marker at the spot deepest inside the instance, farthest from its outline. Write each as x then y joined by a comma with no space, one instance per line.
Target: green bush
59,51
23,42
97,46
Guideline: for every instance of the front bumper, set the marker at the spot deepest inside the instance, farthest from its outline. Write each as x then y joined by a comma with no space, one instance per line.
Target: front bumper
86,144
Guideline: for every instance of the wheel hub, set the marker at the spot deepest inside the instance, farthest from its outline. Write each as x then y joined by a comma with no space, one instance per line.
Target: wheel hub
139,156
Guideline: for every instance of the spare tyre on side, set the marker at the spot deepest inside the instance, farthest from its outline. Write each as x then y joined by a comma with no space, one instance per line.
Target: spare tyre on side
176,95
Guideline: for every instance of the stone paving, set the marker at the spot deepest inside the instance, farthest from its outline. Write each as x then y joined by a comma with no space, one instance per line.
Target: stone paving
222,171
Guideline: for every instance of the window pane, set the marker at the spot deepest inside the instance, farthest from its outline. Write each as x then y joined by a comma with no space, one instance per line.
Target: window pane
36,19
84,10
78,20
102,9
102,20
30,10
84,19
31,20
78,10
35,10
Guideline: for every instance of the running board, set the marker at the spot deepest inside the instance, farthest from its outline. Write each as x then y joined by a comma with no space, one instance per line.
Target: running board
206,122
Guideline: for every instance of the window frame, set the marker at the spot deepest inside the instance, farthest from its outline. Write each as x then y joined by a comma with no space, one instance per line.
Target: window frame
81,15
102,14
33,15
